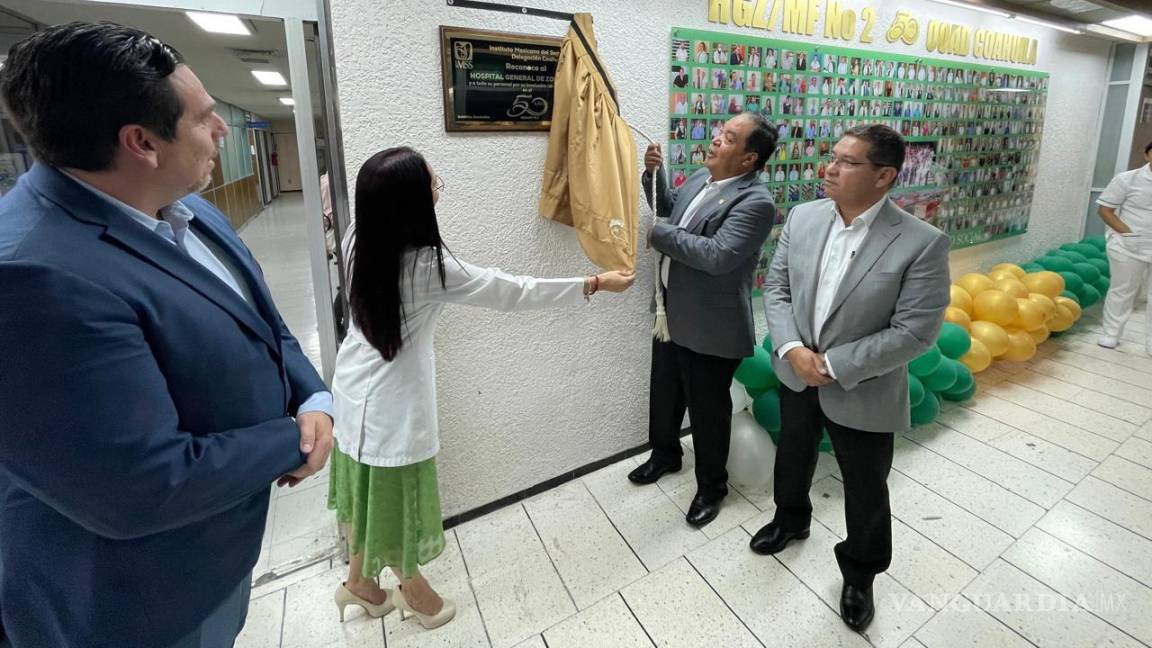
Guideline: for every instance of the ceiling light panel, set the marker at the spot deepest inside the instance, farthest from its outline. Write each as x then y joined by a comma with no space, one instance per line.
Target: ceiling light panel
269,77
219,23
1138,25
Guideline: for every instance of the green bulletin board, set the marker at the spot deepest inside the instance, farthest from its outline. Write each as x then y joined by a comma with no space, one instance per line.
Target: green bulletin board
973,131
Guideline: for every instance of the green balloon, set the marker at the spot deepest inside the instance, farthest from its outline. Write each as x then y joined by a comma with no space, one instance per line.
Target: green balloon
960,396
927,410
1087,272
825,443
942,379
755,393
766,410
1090,251
1072,281
767,343
915,390
1101,267
1031,267
1097,242
964,377
1089,295
1071,295
954,341
1102,285
926,363
755,371
1074,257
1055,263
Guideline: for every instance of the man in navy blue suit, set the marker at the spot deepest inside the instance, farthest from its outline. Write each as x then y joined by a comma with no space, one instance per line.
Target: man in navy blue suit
150,392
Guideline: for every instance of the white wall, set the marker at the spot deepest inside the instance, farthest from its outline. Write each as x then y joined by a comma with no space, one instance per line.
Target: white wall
525,397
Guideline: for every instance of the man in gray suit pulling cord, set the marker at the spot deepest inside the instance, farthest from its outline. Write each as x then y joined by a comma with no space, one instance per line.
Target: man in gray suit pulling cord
709,245
856,290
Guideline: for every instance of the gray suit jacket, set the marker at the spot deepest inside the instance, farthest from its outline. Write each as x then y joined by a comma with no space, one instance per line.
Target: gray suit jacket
887,311
713,260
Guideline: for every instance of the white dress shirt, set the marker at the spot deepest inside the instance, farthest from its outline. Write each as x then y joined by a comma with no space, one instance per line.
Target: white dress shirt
712,188
839,252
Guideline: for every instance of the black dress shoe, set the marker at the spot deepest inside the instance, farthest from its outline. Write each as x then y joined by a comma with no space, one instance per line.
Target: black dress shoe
771,539
856,607
652,470
703,510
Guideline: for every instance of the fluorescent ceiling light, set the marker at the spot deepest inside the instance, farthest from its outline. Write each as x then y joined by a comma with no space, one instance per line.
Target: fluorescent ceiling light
995,12
1133,24
219,23
269,77
288,101
1045,23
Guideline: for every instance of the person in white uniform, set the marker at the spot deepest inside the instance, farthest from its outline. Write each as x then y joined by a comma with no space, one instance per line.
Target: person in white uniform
382,481
1126,208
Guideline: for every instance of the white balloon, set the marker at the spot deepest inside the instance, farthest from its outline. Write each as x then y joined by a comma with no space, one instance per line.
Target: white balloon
740,399
751,453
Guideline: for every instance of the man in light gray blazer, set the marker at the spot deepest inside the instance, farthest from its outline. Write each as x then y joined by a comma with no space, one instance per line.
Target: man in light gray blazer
709,246
856,290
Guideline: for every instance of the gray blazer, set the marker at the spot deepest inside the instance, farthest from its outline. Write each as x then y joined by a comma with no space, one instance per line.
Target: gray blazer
887,311
713,261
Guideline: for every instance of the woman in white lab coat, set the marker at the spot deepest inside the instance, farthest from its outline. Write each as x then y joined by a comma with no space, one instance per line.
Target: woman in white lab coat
382,480
1126,208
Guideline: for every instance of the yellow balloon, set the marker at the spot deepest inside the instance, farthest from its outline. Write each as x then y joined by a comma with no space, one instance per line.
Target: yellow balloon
999,275
1021,346
1071,305
1044,302
995,306
975,283
960,298
1040,335
1013,287
1016,270
1045,282
1030,316
958,316
992,335
1062,320
978,358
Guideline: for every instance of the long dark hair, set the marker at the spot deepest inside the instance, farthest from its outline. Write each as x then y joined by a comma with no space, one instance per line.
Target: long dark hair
395,213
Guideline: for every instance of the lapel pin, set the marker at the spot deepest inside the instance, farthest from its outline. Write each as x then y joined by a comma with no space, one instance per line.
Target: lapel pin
721,201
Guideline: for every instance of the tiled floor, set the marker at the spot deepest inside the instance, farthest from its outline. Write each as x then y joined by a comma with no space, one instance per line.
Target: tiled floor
1022,518
299,524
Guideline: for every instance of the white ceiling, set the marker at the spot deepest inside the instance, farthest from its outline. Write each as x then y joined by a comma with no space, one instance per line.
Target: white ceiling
211,56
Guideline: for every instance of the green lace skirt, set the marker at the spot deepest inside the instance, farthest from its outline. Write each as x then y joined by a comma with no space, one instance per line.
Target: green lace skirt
393,513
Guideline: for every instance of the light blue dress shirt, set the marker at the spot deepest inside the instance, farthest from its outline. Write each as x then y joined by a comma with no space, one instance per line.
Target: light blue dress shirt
174,227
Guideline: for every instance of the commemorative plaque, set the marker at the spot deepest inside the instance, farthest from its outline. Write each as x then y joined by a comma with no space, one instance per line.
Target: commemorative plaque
496,81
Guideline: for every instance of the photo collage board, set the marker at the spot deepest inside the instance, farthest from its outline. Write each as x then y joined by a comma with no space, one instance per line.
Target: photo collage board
973,131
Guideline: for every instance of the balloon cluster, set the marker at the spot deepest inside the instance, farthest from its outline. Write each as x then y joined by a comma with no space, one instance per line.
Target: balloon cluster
1003,315
759,379
940,373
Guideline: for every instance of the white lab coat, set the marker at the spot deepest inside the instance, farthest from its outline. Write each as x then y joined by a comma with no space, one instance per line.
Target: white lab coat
1129,255
386,411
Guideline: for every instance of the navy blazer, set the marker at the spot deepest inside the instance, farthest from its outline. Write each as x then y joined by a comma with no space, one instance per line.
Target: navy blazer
144,412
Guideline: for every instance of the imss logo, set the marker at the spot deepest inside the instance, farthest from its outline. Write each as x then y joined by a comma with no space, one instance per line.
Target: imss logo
462,54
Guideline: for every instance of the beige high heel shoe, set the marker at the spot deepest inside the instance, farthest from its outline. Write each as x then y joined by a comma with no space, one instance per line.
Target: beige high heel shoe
344,597
429,621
